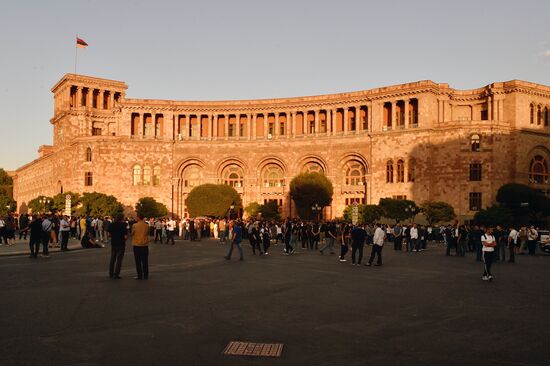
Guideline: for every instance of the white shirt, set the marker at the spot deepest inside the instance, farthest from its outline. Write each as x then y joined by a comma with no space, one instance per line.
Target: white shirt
171,225
414,233
514,235
488,239
64,225
379,235
532,234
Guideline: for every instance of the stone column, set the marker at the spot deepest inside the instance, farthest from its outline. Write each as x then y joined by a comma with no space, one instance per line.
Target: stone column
358,123
226,125
248,127
287,125
277,126
370,121
489,108
293,123
186,126
254,127
100,98
333,121
266,125
346,122
78,103
214,126
142,125
305,128
406,112
111,99
501,110
316,122
328,121
210,134
393,113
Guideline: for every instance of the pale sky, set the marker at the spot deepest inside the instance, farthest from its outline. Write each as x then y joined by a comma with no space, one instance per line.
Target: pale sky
244,49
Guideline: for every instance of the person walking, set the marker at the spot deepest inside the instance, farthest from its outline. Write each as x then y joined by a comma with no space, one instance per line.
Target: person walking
170,231
532,236
358,236
35,235
513,238
118,234
46,235
378,244
237,235
140,243
489,243
397,236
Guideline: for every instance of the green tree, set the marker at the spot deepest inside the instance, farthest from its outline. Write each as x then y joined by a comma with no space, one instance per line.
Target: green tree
41,204
6,184
398,210
7,205
252,209
60,199
367,214
100,204
212,200
523,201
494,215
149,207
270,211
437,211
308,190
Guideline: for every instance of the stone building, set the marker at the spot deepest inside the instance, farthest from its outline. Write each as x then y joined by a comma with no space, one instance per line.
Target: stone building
420,141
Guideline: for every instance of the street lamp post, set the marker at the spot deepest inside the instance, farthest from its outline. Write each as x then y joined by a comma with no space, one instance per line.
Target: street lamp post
317,209
413,210
44,201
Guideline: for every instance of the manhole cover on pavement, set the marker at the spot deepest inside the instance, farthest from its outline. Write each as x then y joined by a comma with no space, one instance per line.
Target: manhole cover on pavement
254,349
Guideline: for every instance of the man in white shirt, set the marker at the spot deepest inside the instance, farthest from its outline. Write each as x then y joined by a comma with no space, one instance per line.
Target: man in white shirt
170,229
532,236
378,244
513,238
414,238
489,243
64,229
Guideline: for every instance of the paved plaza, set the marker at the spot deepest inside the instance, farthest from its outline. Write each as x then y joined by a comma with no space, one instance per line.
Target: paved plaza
417,309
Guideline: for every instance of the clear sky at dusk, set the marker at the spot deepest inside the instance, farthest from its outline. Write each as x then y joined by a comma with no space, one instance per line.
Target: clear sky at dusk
208,50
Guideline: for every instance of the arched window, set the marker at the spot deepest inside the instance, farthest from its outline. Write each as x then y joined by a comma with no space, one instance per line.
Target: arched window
146,175
532,114
538,170
313,166
389,171
355,173
546,116
400,171
272,176
192,176
475,143
136,175
232,175
88,154
156,175
412,170
539,115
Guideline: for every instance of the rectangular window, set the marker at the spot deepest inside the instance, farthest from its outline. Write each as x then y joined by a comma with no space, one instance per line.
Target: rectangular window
475,172
281,128
88,179
484,115
400,197
475,201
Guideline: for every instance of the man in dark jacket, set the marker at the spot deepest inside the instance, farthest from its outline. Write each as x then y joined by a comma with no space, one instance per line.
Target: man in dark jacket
118,234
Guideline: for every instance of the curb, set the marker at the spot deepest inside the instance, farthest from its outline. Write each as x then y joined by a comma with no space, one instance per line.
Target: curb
26,252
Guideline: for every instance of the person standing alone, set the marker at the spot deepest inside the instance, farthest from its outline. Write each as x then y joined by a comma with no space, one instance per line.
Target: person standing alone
118,233
489,243
64,232
140,243
378,244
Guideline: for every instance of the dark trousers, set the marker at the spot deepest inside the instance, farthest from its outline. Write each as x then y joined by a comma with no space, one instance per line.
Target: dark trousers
64,239
343,250
512,251
23,234
288,247
158,235
117,253
397,243
45,241
532,246
462,247
478,251
376,251
417,244
34,245
488,258
255,245
141,256
170,236
356,247
266,245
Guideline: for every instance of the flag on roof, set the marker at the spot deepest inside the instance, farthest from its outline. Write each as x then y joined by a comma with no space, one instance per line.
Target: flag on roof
81,43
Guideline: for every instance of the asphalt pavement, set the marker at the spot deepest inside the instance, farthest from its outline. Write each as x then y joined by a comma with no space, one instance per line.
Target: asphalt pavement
417,309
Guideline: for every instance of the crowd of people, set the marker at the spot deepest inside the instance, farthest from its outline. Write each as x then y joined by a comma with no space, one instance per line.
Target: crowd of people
487,243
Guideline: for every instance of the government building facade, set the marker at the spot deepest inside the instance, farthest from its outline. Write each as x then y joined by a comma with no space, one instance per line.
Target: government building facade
420,141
